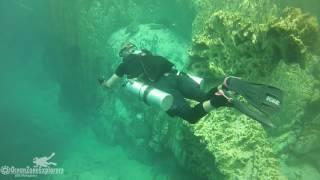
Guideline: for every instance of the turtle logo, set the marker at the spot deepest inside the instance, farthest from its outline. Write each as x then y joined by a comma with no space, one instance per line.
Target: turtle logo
42,162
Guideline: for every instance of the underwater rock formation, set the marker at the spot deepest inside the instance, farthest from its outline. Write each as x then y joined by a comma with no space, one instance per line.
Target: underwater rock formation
228,43
237,45
239,145
295,34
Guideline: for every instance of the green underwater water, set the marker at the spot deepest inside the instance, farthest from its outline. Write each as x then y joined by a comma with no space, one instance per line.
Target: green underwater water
52,52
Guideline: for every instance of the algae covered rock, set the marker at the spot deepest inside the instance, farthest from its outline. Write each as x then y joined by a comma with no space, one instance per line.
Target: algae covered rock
231,43
240,146
239,45
307,141
277,51
295,34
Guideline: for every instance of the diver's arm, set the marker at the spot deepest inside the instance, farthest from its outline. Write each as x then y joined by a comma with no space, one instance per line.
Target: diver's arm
111,81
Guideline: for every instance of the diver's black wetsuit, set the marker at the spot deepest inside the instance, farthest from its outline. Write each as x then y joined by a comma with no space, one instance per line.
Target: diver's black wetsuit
160,73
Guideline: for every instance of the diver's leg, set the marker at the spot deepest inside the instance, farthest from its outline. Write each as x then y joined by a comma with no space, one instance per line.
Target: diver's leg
191,90
181,108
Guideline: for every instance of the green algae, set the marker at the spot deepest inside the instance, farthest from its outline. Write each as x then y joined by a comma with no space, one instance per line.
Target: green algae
296,34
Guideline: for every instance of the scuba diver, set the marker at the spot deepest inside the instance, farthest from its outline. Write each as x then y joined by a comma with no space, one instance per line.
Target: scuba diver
154,78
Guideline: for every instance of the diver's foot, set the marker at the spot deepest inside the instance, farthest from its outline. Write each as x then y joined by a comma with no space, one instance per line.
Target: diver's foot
226,81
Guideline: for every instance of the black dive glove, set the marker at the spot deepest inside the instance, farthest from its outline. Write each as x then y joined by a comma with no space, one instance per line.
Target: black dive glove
219,100
218,97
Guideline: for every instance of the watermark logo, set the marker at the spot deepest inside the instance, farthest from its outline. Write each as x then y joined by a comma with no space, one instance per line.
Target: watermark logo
42,166
43,161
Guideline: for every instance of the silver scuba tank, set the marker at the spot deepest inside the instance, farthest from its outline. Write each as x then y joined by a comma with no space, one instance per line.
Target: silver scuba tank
198,80
150,95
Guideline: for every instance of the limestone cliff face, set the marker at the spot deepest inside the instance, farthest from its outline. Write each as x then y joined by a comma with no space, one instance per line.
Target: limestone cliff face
276,50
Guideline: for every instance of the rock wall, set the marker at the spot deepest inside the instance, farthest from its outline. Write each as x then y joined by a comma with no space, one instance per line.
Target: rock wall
276,50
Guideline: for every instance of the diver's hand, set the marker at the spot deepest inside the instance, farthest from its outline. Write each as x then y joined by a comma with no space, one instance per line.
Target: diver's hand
109,83
101,80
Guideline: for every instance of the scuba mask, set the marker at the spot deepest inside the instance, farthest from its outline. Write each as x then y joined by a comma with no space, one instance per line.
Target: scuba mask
127,49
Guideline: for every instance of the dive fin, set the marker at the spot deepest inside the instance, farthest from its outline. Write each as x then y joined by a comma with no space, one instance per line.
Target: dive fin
265,98
262,118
